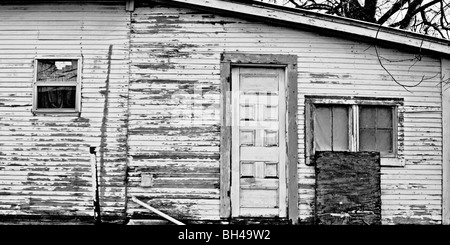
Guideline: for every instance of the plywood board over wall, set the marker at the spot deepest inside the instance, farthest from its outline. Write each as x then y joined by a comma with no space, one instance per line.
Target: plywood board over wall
348,190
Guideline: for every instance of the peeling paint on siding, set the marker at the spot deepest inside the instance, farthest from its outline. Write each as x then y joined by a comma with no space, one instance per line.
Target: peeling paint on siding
167,115
45,159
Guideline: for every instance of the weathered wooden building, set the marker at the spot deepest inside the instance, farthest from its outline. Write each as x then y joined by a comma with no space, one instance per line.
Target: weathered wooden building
218,111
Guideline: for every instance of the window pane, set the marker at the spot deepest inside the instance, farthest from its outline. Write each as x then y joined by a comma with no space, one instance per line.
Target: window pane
384,141
56,97
367,140
376,128
340,128
322,129
367,117
384,117
57,70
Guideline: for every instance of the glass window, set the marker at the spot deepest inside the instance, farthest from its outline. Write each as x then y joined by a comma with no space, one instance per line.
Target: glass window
57,85
376,128
51,70
56,97
349,124
331,128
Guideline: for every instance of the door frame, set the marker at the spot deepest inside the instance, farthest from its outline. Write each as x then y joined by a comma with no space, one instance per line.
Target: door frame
289,62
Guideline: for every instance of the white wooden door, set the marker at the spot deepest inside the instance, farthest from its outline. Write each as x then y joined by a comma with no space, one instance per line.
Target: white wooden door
258,151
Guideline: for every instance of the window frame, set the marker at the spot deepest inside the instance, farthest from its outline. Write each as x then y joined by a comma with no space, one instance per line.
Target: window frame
76,84
354,104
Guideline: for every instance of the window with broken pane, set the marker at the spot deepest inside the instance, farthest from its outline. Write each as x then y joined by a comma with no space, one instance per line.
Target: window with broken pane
56,85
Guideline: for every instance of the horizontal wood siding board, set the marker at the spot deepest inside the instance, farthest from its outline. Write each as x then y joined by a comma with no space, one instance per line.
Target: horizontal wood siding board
176,38
328,25
175,104
445,73
175,131
45,159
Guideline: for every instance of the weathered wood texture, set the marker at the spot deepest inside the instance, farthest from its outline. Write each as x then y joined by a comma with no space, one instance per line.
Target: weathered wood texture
348,188
174,129
445,76
45,159
175,108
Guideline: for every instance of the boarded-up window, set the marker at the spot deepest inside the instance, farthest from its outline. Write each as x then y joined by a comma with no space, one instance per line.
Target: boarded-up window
348,189
57,85
376,129
331,128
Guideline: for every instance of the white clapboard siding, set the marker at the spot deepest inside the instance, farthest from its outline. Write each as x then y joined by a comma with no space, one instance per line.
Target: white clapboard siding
45,160
175,51
164,109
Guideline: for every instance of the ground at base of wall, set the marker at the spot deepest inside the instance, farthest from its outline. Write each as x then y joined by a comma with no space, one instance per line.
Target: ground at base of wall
58,220
242,221
46,220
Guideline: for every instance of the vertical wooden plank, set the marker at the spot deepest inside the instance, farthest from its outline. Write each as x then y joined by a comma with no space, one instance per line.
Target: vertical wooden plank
225,141
235,92
355,127
34,94
351,141
395,130
292,138
308,129
445,78
283,117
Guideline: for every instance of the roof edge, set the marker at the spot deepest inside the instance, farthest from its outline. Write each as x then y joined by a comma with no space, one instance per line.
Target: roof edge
323,21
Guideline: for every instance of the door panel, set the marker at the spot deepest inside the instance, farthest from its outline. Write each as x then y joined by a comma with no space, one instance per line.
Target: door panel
252,83
259,153
258,186
257,198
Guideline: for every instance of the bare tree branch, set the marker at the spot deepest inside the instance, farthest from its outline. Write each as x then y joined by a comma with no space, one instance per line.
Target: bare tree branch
419,56
319,6
407,19
396,7
296,4
443,17
370,7
426,6
386,12
430,24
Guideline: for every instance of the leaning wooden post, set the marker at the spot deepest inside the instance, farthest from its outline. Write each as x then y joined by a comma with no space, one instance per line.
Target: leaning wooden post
156,211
